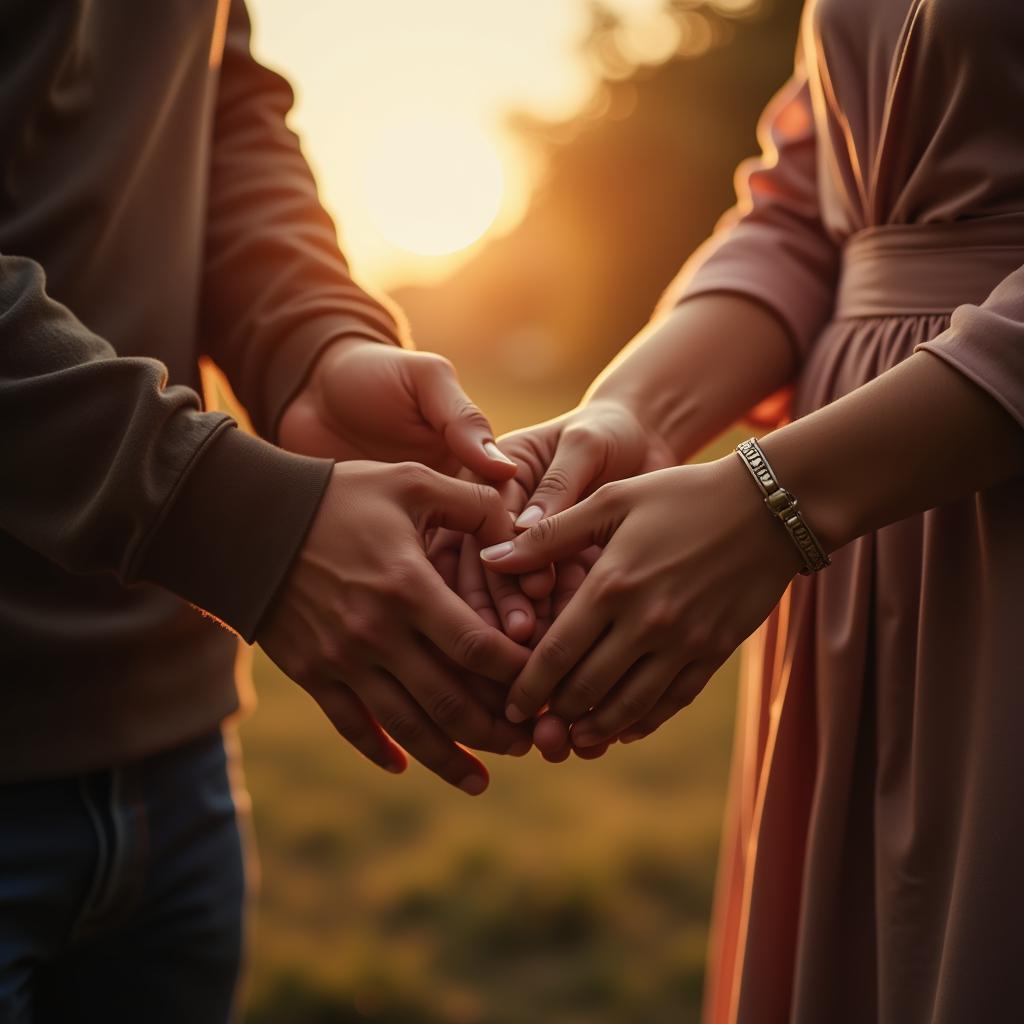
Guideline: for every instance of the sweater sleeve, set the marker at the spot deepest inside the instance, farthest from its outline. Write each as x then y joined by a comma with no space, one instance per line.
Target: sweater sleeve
276,287
107,469
772,245
986,344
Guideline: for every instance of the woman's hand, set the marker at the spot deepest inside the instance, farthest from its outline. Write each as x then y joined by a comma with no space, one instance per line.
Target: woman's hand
692,564
368,400
558,462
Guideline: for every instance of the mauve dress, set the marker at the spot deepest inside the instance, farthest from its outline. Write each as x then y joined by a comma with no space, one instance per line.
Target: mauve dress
873,854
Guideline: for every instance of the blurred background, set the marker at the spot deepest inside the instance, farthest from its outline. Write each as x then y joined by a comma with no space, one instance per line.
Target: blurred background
523,177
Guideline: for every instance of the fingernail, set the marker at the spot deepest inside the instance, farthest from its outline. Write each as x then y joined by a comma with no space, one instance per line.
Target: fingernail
585,738
517,618
631,736
520,747
395,767
474,785
513,714
530,516
496,551
492,451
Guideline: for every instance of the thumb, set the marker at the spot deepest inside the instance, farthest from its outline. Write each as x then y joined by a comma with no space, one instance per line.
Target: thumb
456,505
558,537
576,463
464,428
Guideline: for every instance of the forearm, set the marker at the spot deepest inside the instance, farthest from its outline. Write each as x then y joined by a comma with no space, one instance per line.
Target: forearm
916,437
107,469
276,288
691,374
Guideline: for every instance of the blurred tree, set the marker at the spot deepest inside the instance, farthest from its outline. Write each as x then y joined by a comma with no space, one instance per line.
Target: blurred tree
630,186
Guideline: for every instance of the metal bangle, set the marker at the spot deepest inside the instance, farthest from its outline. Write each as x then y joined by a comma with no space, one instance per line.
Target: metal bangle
783,506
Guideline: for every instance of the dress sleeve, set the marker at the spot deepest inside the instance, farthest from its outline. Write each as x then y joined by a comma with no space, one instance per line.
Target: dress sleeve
772,245
276,287
104,468
986,344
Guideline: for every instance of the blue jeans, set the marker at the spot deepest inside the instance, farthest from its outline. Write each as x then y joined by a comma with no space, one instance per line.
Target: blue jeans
122,893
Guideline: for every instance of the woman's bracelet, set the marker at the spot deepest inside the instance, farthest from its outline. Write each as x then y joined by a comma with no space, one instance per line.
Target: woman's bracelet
783,506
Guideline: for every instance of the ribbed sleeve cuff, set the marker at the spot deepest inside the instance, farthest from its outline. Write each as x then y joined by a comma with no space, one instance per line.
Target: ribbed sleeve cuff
767,267
292,360
233,526
988,349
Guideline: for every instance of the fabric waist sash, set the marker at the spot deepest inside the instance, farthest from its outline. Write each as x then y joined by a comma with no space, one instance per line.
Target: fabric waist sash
918,269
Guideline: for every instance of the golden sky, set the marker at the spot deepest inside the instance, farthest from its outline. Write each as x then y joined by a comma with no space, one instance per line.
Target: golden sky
401,107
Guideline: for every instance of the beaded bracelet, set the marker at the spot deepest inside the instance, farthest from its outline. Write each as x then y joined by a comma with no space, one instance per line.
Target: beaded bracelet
783,506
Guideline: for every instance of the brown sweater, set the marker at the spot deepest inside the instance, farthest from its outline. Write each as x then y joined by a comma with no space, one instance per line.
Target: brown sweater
153,208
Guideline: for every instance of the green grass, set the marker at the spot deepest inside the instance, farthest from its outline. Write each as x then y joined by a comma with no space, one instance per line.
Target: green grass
568,893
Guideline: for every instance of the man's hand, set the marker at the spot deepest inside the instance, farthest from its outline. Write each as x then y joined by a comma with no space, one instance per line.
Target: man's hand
368,400
369,629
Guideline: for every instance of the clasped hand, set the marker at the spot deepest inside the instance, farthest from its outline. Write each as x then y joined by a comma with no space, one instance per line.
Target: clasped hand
629,586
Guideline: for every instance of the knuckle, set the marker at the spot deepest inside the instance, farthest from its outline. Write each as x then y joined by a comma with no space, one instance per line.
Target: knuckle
414,478
364,633
632,706
553,654
544,532
701,637
556,482
470,646
403,726
468,413
448,708
488,499
397,583
611,582
436,363
657,618
333,653
583,694
611,494
581,432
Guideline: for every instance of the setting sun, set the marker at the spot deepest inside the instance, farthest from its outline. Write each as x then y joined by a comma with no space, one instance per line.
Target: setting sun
431,186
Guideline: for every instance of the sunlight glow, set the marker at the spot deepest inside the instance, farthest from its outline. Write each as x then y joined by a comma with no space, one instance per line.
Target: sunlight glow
431,185
410,203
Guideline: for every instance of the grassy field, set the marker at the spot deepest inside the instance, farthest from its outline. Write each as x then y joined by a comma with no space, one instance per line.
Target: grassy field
568,894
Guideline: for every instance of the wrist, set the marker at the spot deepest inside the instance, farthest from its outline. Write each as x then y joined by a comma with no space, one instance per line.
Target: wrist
630,405
827,501
332,353
751,521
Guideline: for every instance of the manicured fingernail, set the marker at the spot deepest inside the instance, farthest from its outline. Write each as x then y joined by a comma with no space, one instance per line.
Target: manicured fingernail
632,735
474,785
395,767
585,737
513,714
520,747
530,516
492,451
517,618
496,551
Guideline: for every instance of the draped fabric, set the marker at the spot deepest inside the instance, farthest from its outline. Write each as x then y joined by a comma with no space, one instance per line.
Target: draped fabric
875,826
